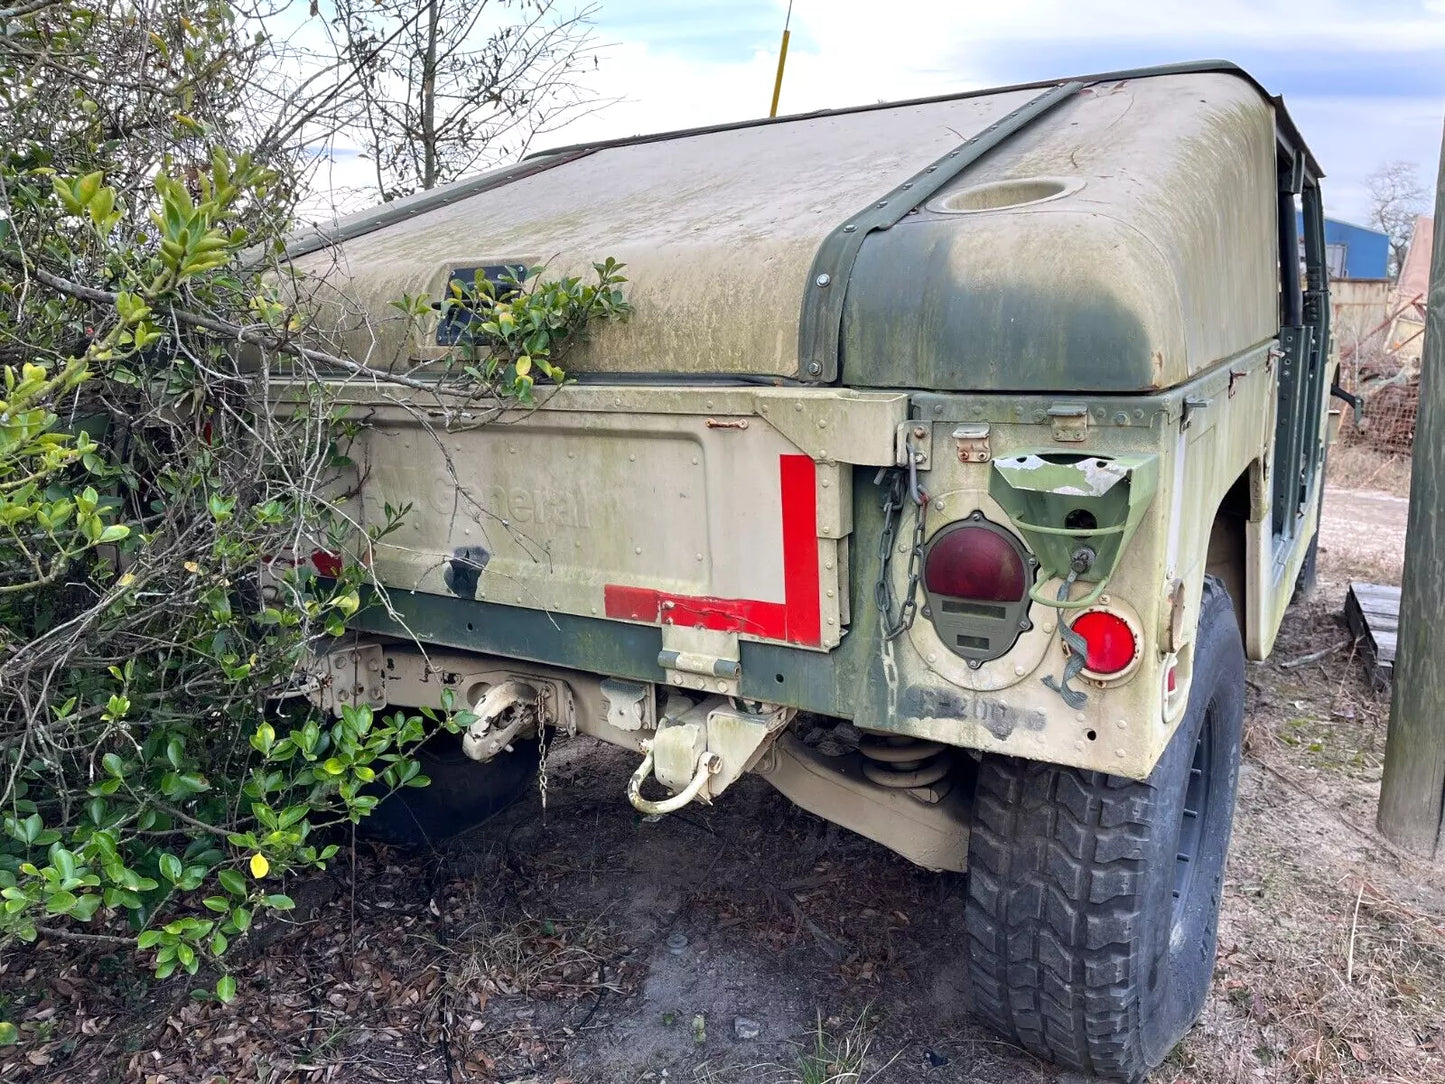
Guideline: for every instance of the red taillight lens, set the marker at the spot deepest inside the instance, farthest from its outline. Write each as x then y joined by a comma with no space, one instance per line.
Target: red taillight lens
1110,641
975,563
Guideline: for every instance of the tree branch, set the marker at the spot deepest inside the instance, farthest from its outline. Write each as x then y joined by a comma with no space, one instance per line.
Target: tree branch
21,10
88,938
238,333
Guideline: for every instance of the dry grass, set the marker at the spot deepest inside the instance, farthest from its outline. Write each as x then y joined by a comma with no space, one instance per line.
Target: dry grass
1353,465
536,958
1332,944
838,1053
1320,979
839,1050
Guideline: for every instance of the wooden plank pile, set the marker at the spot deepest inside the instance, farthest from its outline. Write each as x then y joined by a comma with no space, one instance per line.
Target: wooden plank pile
1372,611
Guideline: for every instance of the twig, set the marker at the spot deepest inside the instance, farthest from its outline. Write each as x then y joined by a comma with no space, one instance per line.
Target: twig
26,9
1314,656
89,938
236,332
1354,924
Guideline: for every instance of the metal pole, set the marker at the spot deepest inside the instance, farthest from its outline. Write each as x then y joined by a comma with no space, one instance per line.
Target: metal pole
782,59
1412,792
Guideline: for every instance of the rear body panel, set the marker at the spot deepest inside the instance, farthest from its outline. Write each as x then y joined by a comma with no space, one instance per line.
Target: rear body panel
666,506
1099,283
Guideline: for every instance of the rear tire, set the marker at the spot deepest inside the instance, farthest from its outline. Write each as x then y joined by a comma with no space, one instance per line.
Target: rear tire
461,795
1094,900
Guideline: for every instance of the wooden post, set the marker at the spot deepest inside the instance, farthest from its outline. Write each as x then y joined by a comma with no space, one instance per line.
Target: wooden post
1412,793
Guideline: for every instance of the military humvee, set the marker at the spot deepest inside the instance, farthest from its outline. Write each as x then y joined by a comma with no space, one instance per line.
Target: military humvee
957,454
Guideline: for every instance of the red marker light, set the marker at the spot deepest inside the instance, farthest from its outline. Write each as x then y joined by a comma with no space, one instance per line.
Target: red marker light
975,563
1109,639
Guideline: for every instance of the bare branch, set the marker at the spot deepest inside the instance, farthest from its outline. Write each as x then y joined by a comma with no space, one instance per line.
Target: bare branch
21,10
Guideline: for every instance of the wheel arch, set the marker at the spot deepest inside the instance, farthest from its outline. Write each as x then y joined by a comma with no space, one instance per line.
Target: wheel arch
1237,549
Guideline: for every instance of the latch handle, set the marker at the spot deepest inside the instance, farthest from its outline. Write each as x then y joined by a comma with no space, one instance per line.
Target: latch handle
1355,401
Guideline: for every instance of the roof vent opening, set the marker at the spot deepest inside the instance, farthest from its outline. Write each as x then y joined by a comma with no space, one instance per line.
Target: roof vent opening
1005,195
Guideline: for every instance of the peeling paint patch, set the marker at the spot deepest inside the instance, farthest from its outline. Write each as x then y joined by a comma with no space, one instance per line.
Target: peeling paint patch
464,568
890,674
1085,477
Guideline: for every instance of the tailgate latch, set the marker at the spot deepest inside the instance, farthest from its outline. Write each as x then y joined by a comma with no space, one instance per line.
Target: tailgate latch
1069,422
972,443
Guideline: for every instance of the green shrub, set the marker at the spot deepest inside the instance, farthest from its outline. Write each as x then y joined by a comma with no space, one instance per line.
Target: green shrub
161,770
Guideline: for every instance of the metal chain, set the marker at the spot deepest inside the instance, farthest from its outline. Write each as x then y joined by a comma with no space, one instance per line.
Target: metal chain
899,488
543,747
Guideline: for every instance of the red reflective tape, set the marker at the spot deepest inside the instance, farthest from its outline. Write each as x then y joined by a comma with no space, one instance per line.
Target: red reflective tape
796,619
632,603
765,619
800,548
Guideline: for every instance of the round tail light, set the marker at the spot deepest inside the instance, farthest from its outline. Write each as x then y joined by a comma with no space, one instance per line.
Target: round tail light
976,575
976,562
1111,645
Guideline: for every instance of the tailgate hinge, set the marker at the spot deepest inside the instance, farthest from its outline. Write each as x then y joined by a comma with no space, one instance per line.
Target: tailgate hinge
700,659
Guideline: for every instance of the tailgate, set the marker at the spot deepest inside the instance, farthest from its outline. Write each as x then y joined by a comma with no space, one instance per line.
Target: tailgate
725,509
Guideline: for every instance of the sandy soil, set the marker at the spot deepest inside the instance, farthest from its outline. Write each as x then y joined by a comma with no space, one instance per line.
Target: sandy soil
1363,534
585,945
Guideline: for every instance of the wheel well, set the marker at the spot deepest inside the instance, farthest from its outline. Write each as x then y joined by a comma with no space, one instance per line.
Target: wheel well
1226,557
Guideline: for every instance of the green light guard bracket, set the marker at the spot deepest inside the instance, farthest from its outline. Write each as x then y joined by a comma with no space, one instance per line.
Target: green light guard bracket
1043,491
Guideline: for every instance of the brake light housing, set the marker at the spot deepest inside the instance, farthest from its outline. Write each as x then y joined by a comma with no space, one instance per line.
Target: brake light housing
976,577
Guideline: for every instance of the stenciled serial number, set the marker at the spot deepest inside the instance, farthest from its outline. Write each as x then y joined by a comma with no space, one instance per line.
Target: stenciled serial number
998,717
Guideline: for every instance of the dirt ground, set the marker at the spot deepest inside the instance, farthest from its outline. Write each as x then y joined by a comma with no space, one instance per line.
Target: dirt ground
754,942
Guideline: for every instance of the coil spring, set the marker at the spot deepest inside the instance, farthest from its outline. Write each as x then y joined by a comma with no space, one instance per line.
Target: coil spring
903,763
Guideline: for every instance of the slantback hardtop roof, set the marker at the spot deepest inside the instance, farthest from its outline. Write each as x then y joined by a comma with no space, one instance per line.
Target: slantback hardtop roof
1112,232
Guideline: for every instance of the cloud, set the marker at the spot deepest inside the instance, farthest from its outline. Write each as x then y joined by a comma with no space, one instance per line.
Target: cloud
1361,77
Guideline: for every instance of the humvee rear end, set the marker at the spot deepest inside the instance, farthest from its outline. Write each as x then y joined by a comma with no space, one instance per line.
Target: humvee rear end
955,457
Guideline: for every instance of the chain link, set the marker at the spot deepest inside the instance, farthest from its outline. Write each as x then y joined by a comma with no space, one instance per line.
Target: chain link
895,497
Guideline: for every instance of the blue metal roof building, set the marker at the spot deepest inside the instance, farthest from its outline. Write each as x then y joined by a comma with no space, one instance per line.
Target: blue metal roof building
1354,252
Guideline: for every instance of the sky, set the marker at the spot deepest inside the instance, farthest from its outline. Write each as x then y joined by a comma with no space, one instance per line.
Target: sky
1363,79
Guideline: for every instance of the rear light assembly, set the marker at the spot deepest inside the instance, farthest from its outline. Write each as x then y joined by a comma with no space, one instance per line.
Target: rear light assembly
975,561
976,577
1113,645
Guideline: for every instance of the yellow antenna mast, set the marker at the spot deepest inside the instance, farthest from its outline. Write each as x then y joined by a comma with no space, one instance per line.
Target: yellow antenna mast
782,59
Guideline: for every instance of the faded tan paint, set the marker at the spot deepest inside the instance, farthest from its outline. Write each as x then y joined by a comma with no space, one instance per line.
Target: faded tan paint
1129,719
623,486
717,232
933,835
1154,203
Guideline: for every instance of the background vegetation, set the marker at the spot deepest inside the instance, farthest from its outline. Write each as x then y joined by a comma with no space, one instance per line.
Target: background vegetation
163,535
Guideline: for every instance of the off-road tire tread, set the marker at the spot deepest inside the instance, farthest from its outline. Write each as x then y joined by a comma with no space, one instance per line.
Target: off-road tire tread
1056,869
1056,861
